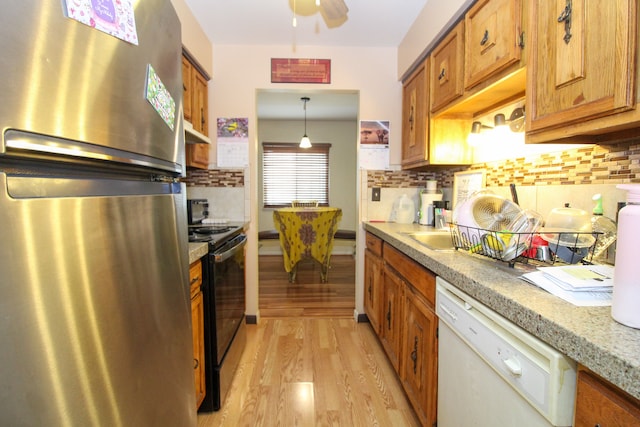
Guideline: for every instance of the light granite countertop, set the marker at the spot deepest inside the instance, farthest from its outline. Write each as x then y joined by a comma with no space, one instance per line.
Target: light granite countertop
197,250
588,335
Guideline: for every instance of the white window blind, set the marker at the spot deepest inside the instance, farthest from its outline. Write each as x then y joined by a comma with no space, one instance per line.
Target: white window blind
294,173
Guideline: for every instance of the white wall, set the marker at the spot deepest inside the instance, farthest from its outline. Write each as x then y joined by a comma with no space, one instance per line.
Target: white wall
240,70
193,37
431,24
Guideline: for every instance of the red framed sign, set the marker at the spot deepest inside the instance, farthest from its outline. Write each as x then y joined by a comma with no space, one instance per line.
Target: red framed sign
296,70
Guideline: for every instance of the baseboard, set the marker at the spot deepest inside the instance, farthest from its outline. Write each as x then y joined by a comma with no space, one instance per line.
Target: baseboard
362,318
251,320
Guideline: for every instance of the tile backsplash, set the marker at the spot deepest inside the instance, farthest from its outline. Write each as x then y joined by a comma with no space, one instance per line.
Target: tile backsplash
543,181
224,188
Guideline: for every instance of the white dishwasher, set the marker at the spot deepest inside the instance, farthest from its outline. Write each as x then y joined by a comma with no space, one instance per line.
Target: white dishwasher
492,373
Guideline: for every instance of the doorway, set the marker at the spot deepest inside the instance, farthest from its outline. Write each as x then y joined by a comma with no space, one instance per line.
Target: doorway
332,117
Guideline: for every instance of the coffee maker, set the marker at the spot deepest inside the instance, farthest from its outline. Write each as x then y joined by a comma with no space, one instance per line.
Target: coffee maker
427,198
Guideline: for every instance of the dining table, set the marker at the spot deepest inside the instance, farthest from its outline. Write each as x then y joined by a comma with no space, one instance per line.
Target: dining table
307,232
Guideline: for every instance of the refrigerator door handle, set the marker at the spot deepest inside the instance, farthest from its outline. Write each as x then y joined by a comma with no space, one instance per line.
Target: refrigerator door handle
29,145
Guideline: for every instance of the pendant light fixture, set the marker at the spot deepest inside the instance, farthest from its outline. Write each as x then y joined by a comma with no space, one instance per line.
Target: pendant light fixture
305,142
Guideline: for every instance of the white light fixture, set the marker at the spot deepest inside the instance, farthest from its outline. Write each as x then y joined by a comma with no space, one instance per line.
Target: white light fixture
305,142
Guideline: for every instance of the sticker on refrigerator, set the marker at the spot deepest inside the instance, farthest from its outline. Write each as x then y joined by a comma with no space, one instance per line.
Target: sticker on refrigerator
114,17
160,98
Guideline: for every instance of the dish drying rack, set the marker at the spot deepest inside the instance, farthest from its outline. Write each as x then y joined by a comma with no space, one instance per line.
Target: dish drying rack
513,247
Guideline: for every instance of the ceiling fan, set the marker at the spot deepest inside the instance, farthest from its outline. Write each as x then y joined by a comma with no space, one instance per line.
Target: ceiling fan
334,12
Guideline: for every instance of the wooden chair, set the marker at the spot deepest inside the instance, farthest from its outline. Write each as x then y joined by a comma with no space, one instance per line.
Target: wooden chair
304,204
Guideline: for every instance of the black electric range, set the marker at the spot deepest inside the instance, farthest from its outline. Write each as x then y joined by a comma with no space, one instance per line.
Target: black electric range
214,234
223,290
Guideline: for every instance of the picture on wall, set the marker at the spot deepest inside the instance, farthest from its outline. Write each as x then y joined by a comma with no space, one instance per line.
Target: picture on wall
233,141
374,144
374,132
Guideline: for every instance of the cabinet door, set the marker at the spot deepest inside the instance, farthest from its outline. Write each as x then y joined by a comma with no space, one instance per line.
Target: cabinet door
415,120
187,98
373,288
197,155
200,111
420,357
197,328
492,33
447,66
600,404
582,60
392,318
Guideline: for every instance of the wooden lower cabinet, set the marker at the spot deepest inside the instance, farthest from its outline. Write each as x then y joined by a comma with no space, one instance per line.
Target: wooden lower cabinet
197,328
392,317
420,356
599,403
373,288
408,329
373,281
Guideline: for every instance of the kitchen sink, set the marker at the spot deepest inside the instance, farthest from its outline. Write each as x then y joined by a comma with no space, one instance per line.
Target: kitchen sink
434,240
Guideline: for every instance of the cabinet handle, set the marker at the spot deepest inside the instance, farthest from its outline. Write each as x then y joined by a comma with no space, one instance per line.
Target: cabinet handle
565,17
414,355
202,119
485,38
194,280
389,316
442,73
521,40
196,363
411,118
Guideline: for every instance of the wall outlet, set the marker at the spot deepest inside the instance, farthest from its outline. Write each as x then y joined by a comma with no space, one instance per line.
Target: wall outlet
375,194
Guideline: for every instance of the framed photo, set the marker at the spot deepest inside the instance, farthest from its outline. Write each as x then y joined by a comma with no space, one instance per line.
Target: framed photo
465,183
299,70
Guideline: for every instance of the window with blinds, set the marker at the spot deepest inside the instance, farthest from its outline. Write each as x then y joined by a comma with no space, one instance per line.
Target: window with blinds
294,173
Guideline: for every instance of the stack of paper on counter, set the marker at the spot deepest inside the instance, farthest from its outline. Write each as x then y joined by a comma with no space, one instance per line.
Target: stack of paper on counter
583,285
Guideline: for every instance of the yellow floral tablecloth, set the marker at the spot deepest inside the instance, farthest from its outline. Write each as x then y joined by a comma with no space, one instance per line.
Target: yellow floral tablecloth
307,233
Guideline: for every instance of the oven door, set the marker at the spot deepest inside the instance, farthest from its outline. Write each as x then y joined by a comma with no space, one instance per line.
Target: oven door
229,292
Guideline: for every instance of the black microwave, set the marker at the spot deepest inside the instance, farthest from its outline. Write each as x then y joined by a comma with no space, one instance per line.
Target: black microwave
197,210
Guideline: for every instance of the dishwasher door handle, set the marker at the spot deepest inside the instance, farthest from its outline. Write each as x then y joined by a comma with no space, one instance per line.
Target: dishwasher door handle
513,366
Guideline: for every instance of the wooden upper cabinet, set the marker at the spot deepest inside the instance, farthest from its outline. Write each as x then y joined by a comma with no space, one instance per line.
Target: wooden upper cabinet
492,39
582,60
447,67
195,99
415,119
198,155
187,92
200,105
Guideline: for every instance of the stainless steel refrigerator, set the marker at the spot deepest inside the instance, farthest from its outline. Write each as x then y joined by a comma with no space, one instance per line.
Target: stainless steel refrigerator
94,300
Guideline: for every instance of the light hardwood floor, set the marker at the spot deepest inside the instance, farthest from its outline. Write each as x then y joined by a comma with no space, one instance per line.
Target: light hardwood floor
307,296
313,372
308,363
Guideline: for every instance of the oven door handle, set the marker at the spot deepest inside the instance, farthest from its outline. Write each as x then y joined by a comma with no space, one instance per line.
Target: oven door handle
223,256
